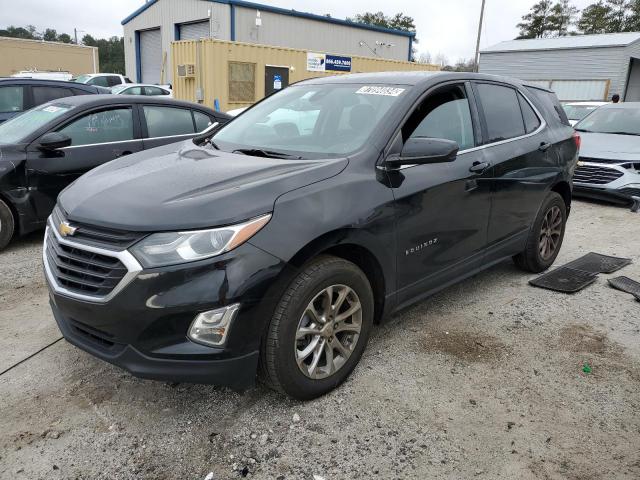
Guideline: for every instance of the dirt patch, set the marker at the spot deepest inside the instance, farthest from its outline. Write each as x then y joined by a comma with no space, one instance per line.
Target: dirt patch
583,339
466,346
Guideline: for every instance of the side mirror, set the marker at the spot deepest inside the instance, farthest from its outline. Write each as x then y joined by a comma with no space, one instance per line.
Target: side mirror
54,141
423,150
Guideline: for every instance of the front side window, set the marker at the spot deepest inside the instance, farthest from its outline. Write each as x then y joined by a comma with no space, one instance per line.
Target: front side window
168,121
152,91
11,99
133,91
99,81
46,94
112,80
501,111
23,126
105,126
312,121
444,114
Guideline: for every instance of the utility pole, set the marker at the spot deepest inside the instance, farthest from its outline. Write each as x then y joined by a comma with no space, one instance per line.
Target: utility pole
75,34
477,66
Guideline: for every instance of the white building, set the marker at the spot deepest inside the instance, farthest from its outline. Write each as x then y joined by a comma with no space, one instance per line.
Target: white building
582,67
149,31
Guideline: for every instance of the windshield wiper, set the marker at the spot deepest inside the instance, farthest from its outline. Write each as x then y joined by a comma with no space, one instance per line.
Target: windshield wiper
624,133
258,152
583,130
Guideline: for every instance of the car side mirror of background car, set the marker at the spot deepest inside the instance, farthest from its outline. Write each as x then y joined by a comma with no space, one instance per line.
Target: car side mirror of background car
54,141
422,150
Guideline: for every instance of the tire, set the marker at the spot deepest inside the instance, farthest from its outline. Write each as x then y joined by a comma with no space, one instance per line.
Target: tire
309,292
7,225
543,243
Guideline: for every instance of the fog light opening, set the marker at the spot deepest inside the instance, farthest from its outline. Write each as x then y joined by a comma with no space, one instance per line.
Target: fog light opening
212,327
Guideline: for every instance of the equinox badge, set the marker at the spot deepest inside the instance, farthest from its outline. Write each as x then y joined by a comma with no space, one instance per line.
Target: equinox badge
66,230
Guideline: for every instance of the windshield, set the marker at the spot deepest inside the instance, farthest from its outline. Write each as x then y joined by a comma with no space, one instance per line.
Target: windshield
623,121
578,112
311,121
82,78
20,127
119,88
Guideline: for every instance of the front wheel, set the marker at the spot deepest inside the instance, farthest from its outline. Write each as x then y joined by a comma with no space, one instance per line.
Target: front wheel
319,330
545,237
7,225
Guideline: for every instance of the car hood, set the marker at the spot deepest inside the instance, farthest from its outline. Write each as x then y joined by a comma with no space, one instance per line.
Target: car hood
609,146
182,186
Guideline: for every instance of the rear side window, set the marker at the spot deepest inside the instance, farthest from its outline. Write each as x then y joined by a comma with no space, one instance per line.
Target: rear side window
550,104
153,91
133,91
531,120
114,125
501,111
11,99
45,94
100,81
167,121
112,80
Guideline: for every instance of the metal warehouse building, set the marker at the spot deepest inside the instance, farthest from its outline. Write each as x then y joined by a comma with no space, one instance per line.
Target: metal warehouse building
585,67
149,31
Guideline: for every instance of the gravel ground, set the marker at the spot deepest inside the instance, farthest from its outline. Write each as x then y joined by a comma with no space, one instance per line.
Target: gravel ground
484,380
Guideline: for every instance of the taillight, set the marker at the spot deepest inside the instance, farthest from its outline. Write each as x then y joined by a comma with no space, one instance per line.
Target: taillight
577,139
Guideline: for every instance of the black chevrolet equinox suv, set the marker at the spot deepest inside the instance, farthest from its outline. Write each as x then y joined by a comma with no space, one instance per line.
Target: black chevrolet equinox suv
270,247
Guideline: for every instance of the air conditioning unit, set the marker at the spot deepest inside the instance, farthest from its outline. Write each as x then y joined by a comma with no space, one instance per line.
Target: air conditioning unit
188,70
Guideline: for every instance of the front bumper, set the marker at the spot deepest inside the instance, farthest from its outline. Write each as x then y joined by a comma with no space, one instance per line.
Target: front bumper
143,328
620,190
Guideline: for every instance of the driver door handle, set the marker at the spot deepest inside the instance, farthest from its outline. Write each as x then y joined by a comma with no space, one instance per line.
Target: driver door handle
544,146
479,167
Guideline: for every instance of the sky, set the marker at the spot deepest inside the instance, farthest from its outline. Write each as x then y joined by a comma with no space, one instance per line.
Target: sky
443,27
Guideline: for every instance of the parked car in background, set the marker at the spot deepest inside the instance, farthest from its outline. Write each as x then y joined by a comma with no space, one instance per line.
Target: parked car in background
20,94
48,147
236,111
44,75
609,166
102,79
576,111
142,89
274,247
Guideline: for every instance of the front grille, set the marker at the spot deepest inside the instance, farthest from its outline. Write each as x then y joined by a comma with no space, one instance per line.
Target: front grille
99,236
80,271
595,174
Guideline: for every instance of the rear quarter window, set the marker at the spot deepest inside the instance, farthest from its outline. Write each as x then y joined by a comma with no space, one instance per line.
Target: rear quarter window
549,105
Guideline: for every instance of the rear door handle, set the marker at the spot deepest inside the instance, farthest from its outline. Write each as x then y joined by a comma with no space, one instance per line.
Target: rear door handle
479,167
544,146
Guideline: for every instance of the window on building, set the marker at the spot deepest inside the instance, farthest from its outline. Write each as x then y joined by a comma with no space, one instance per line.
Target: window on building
502,112
242,82
11,99
168,121
106,126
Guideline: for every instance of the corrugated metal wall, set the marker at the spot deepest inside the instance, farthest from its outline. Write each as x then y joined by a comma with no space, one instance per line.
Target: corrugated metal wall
165,14
17,54
295,32
574,64
211,58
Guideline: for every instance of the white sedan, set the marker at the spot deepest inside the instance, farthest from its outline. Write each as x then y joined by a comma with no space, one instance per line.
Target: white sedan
142,89
576,111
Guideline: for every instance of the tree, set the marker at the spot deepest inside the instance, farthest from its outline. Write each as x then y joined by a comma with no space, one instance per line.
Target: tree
633,19
536,23
397,22
64,38
563,15
595,19
18,32
50,35
425,57
110,53
618,15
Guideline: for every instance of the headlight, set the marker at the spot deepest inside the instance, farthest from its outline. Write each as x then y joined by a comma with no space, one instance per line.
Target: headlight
171,248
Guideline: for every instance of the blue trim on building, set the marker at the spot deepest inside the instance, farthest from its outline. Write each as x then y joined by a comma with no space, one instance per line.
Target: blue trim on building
284,11
138,57
232,18
176,31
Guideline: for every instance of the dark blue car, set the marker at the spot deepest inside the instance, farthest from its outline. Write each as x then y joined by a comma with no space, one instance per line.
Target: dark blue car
20,94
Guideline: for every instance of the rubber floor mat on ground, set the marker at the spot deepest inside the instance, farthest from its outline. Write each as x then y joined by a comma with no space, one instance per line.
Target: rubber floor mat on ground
564,279
627,285
598,263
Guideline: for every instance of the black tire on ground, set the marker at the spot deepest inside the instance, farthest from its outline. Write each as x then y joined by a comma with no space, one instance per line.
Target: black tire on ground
7,225
278,368
532,259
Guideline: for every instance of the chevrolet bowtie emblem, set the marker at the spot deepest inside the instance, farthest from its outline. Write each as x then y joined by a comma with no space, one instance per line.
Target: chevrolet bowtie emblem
66,230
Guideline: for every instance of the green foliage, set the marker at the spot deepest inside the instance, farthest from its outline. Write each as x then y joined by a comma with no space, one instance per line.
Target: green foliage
397,22
595,18
538,22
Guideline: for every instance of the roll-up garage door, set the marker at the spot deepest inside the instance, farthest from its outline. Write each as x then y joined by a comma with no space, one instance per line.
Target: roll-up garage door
194,31
151,55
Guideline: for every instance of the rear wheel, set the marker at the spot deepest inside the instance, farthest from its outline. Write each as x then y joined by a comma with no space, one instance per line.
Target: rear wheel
545,237
319,330
7,224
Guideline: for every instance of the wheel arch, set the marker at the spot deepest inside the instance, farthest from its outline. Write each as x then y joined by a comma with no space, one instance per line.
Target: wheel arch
564,190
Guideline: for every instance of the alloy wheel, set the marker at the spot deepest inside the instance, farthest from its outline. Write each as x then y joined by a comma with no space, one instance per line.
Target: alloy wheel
328,331
550,232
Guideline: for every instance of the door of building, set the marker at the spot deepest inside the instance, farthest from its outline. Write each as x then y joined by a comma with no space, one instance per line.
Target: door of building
275,79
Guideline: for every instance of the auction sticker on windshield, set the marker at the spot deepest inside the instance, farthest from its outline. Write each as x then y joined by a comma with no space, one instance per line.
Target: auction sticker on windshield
374,90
